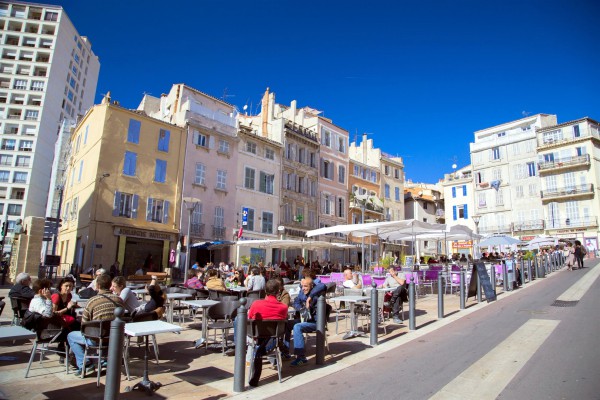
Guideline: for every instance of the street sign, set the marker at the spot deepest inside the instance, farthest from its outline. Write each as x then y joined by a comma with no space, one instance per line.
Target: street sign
244,216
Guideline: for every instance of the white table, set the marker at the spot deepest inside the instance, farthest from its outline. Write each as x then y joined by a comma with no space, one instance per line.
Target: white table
238,289
146,329
204,304
353,328
172,297
15,333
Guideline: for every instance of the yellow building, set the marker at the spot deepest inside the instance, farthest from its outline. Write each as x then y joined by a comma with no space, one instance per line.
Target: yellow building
122,190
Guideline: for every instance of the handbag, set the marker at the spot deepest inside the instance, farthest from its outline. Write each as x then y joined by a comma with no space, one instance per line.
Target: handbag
305,314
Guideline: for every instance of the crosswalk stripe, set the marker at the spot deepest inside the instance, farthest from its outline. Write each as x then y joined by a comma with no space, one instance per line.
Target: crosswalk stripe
489,375
576,291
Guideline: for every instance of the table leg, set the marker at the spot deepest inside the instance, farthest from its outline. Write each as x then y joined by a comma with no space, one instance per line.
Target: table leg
200,342
146,384
353,325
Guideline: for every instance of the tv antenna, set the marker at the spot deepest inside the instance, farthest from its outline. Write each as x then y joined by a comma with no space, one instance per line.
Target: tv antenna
226,95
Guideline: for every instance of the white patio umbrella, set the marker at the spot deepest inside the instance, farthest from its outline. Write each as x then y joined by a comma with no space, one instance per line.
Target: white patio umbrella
540,241
499,240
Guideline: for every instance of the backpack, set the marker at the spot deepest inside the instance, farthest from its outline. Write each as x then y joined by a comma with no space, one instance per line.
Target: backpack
87,293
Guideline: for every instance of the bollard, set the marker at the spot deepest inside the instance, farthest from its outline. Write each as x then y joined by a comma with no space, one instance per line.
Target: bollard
504,277
239,371
493,279
411,304
478,287
541,268
529,277
440,297
321,322
462,288
115,355
374,314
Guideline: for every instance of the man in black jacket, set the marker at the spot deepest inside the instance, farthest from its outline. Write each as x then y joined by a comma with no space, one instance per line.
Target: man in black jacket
21,288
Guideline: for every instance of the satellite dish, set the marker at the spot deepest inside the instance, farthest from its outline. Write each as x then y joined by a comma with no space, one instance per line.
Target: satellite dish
245,107
453,166
420,193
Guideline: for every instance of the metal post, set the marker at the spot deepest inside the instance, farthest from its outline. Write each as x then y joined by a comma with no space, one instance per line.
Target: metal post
504,277
115,355
362,221
529,277
541,269
411,304
321,323
188,249
374,314
462,288
239,372
478,287
493,278
440,297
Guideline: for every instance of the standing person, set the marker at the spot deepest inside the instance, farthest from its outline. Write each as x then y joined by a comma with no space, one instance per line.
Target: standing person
570,257
100,307
579,254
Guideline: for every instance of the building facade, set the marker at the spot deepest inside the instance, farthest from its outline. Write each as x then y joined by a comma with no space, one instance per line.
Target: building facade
424,202
458,204
122,197
48,73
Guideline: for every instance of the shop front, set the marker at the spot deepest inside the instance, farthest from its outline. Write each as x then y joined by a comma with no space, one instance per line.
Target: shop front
144,248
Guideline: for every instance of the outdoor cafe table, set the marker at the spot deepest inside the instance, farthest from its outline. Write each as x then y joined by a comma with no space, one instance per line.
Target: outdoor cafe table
15,333
146,329
238,289
172,297
353,323
204,304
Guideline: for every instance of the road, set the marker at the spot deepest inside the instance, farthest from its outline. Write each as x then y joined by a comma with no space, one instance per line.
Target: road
521,347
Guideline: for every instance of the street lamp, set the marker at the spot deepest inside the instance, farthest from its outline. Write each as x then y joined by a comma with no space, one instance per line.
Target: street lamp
476,219
281,230
190,204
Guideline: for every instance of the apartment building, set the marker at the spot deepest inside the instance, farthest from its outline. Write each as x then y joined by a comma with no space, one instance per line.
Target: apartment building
122,197
424,202
48,73
211,164
505,177
459,202
568,155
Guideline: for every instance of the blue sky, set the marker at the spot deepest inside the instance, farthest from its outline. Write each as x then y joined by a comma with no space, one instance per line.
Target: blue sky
419,76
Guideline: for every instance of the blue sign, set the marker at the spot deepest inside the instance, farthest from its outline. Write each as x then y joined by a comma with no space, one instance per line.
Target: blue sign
244,216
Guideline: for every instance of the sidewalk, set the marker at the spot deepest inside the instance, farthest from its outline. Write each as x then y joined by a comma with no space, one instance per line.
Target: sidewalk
186,372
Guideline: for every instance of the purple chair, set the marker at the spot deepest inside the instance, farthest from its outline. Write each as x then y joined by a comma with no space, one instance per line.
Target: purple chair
324,278
337,277
379,280
366,279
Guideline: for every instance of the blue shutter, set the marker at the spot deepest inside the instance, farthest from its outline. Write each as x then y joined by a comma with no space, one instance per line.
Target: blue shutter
453,191
166,212
149,210
464,190
454,213
134,206
466,213
115,211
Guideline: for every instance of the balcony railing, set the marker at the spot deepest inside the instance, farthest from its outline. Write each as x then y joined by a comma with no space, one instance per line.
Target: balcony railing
219,232
368,206
566,223
301,131
564,162
533,225
567,137
197,230
506,228
575,190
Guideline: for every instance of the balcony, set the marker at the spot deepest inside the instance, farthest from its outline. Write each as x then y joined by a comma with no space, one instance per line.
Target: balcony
506,228
549,142
219,232
301,131
533,225
572,192
570,223
197,230
368,206
564,164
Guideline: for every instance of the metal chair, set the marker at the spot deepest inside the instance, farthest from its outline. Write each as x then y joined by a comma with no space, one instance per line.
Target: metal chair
96,334
19,305
268,329
222,316
256,294
48,336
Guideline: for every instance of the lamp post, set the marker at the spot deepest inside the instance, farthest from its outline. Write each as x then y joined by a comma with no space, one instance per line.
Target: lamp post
190,204
476,219
281,230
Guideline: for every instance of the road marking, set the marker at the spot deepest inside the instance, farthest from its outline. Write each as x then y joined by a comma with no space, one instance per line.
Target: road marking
487,377
576,291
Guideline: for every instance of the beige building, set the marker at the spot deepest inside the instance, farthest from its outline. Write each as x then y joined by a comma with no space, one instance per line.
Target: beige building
122,196
424,202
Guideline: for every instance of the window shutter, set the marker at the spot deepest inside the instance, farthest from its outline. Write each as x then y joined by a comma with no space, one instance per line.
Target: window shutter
166,212
454,191
115,212
322,167
464,190
330,174
134,206
454,213
196,137
466,213
211,142
149,210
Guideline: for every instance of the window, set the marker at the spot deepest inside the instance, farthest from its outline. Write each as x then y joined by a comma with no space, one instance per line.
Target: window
499,198
125,205
20,84
223,146
163,140
133,133
342,145
533,192
519,192
20,177
386,170
199,179
249,178
327,204
51,16
72,83
160,171
495,153
200,139
326,139
386,189
250,219
251,147
460,212
4,176
269,154
7,160
221,179
157,210
576,132
341,208
85,135
25,145
31,115
14,209
8,144
482,201
326,169
453,191
80,171
66,216
464,190
267,222
75,207
129,166
341,174
397,193
531,168
267,183
219,217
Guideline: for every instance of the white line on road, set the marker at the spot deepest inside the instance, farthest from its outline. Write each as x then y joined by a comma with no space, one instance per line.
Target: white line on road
487,377
576,291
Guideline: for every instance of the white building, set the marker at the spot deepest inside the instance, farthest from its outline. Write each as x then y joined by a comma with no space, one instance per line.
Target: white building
506,182
48,72
459,205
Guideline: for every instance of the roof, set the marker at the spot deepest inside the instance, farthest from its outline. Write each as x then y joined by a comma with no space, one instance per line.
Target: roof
550,128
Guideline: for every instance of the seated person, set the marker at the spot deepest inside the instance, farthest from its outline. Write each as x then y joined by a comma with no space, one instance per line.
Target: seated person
283,296
462,258
351,279
42,300
21,288
100,307
214,282
100,271
304,300
399,295
195,279
140,271
267,309
129,298
237,277
255,281
157,299
63,305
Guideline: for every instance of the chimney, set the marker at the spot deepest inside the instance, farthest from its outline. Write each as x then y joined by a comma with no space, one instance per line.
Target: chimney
293,110
264,113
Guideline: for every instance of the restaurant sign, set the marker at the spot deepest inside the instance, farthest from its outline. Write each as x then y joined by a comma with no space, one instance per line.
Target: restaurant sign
462,244
144,234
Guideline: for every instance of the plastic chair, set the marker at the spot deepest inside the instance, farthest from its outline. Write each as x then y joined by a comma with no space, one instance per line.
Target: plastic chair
366,281
48,336
430,277
222,316
268,329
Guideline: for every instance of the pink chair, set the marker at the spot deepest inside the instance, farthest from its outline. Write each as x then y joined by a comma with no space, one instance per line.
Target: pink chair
379,280
366,279
324,278
337,277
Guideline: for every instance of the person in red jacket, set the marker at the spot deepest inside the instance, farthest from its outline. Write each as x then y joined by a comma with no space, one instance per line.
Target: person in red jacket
267,309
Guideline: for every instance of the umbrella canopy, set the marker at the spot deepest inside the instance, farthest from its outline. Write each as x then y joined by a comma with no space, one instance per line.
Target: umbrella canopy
499,240
291,244
211,244
541,241
388,230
